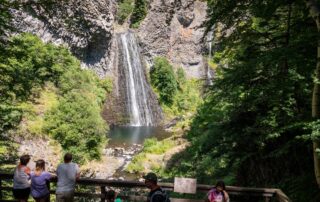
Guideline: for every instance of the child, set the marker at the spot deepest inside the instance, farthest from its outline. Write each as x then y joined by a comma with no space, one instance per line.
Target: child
218,193
39,180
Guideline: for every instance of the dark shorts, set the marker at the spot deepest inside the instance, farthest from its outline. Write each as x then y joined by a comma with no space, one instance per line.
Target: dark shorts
45,198
21,193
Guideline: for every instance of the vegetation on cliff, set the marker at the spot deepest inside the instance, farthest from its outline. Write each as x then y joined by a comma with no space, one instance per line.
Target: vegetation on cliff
179,98
125,8
178,95
136,10
70,107
164,80
255,126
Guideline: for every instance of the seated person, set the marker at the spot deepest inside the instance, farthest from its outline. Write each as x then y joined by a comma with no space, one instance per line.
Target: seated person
218,193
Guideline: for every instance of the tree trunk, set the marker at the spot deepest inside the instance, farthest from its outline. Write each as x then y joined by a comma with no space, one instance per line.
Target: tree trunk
314,11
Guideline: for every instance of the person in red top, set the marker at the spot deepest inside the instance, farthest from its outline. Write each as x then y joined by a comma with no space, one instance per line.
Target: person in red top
21,180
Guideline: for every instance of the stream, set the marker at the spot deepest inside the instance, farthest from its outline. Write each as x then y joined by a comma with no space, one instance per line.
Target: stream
127,141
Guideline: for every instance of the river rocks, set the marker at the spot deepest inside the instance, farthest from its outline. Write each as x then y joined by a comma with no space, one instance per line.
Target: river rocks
172,29
102,169
112,164
173,123
84,26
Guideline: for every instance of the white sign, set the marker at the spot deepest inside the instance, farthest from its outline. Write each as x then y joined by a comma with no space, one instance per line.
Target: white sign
185,185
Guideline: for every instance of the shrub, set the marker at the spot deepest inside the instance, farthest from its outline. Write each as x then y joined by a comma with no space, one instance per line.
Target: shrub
125,8
76,122
26,66
164,80
139,13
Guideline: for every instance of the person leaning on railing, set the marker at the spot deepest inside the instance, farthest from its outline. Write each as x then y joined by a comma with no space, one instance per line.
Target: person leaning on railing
39,180
67,173
21,180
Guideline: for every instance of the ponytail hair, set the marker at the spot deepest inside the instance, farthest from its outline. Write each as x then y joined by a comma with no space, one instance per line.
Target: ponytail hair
40,165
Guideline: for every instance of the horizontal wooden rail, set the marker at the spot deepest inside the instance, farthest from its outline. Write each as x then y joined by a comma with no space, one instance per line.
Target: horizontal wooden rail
266,193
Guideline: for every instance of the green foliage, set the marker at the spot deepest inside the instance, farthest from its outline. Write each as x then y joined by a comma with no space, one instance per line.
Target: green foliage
259,105
139,13
163,79
33,112
28,68
136,165
125,8
181,77
27,63
5,17
76,122
152,149
185,102
153,146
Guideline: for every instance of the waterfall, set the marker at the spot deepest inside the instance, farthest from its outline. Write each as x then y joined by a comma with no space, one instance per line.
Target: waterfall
138,94
209,44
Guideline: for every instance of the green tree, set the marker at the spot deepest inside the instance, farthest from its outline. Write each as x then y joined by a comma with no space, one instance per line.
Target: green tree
259,105
139,13
26,66
76,122
27,63
314,10
163,79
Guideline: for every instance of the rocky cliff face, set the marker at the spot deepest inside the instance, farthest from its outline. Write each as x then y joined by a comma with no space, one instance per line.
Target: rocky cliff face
84,26
172,29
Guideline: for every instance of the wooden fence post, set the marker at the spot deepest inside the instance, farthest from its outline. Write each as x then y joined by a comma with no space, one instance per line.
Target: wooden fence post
1,189
103,193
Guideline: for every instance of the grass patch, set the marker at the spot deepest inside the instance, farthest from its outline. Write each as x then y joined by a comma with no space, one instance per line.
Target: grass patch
153,146
151,156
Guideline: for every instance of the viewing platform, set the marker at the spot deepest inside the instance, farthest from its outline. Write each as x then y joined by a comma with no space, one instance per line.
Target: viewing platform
136,191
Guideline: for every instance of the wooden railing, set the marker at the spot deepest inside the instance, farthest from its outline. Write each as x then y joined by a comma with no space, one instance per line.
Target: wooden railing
263,193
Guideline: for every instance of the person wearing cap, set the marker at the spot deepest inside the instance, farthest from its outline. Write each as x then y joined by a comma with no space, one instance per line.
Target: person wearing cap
156,194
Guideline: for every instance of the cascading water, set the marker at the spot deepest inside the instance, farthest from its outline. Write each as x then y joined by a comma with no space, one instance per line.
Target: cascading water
142,107
209,43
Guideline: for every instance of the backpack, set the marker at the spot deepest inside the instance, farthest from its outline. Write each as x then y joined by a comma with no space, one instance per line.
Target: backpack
161,192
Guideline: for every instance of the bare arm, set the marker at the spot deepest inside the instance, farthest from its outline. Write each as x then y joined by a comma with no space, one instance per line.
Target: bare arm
226,196
78,172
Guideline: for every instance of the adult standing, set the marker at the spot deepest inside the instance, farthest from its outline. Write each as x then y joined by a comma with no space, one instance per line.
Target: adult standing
21,177
156,194
67,173
39,180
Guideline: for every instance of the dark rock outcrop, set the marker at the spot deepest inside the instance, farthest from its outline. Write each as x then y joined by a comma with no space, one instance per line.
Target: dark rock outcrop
84,26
